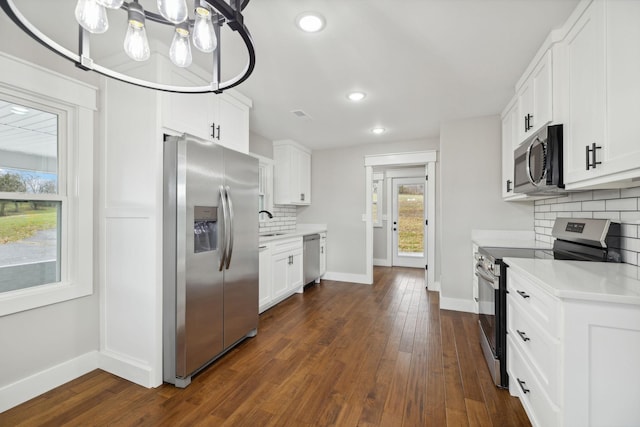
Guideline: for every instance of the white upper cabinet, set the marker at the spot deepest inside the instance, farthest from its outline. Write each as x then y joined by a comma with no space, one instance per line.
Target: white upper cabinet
232,126
602,133
535,98
292,173
220,118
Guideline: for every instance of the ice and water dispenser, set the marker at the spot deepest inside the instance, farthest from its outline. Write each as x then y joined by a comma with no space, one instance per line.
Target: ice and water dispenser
205,228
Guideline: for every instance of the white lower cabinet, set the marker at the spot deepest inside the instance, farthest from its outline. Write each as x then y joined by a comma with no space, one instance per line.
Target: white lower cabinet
282,277
572,362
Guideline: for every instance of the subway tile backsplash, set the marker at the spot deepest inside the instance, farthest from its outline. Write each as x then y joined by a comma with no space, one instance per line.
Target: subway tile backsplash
622,205
284,219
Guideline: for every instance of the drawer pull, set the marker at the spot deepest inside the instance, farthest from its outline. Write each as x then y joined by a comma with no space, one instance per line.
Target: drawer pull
524,336
522,385
523,294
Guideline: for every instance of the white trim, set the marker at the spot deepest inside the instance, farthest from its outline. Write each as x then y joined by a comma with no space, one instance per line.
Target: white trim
347,277
368,224
457,304
431,228
436,287
423,158
414,158
381,262
41,382
18,73
129,369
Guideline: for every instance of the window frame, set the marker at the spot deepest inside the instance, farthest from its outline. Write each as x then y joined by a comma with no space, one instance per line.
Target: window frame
75,104
378,189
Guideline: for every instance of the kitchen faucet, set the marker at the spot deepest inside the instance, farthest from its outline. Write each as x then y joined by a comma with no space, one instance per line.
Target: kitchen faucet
269,214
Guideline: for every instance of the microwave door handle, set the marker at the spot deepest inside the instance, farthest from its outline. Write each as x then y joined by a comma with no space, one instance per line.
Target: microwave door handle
528,162
225,224
231,225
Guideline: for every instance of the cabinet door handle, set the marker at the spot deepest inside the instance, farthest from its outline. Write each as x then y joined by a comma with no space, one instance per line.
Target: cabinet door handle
592,164
322,250
526,123
523,294
213,130
302,197
509,189
218,129
523,335
522,385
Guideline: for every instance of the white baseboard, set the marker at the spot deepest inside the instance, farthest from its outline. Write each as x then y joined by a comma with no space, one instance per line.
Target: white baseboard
380,262
435,287
346,277
27,388
129,369
457,304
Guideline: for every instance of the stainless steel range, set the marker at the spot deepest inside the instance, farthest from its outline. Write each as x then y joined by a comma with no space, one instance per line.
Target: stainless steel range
576,239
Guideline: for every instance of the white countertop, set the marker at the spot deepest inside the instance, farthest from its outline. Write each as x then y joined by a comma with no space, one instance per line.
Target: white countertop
520,239
301,230
583,280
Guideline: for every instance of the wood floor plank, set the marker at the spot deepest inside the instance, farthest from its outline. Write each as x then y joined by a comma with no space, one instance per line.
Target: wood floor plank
340,354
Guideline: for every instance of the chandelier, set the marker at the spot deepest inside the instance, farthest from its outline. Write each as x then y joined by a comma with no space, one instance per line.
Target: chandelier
201,29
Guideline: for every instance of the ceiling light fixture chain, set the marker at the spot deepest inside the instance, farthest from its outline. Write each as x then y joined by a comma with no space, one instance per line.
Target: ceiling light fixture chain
203,31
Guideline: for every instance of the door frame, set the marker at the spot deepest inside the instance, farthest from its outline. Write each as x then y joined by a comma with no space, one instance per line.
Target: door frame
393,244
426,159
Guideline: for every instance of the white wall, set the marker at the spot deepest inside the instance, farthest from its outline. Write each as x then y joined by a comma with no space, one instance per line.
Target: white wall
35,341
338,194
470,191
260,145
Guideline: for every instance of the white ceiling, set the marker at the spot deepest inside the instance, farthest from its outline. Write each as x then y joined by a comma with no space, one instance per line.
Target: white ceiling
421,62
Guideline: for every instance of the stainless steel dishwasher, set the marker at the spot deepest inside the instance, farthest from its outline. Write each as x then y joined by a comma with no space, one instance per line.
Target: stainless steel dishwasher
311,258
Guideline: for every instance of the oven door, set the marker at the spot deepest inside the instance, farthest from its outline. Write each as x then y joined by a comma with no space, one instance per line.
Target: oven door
489,320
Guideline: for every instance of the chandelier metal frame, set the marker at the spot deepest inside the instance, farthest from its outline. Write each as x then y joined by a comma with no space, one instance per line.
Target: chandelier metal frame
225,14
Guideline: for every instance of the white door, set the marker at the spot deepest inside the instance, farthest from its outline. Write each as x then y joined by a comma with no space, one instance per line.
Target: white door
409,222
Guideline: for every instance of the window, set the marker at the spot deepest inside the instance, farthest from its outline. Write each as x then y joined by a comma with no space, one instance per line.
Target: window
31,205
46,187
377,208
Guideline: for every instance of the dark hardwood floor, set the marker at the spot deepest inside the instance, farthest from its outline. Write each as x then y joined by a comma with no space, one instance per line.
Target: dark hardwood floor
338,355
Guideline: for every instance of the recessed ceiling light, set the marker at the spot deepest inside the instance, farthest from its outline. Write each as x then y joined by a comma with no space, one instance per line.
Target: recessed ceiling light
310,22
356,96
16,109
378,130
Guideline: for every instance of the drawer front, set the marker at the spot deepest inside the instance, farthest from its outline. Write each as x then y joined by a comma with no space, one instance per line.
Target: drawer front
539,348
288,245
541,306
524,384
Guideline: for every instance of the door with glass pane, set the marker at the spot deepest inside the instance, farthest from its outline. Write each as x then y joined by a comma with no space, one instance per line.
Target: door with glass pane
409,222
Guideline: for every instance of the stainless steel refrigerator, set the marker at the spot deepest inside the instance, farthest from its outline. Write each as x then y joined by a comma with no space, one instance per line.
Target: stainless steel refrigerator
210,254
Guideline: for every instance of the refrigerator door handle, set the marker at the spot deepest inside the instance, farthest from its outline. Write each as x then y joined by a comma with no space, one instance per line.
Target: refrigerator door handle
231,219
223,249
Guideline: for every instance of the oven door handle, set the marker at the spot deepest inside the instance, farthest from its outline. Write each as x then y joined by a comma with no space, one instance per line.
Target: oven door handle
493,280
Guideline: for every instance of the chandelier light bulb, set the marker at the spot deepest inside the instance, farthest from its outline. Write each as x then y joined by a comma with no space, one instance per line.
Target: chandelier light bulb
92,16
180,52
174,11
204,37
111,4
136,44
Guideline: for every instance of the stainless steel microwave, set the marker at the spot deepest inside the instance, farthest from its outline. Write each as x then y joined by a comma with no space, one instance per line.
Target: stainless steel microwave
538,163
